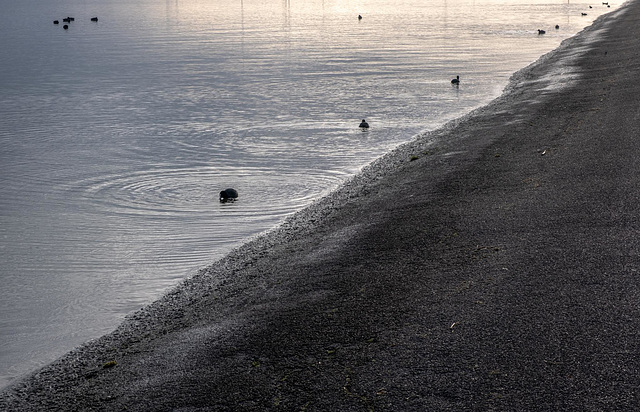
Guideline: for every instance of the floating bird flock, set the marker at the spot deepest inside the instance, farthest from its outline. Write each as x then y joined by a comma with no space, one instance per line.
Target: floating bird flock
69,20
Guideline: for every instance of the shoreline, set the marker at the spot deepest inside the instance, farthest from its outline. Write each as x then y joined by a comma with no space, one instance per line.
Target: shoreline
214,309
107,283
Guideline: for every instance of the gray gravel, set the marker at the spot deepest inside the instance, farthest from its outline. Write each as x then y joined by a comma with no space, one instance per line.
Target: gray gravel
490,265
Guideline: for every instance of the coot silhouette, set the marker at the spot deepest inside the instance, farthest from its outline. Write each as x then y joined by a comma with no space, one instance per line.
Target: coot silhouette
456,80
56,22
541,31
364,124
359,17
228,194
94,19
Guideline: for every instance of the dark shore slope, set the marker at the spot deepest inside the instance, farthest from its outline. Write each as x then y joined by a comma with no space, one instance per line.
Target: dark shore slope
497,270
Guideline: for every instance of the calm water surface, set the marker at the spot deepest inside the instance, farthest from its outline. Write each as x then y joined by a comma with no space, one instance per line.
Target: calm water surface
116,136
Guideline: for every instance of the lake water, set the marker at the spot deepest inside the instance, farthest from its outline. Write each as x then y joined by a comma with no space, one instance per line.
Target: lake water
116,136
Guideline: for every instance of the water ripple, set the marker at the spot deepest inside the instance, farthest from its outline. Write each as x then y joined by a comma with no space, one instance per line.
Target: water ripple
192,191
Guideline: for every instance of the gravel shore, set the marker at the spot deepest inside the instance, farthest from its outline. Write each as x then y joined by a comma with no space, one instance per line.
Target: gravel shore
490,265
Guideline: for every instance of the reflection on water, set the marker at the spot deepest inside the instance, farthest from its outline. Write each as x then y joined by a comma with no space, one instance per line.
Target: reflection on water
116,136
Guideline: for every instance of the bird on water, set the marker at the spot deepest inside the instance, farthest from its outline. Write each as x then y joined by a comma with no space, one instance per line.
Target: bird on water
228,195
456,80
364,124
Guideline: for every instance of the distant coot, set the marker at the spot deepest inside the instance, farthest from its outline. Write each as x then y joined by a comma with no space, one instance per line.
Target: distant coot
94,19
228,194
541,31
557,27
456,80
359,17
364,124
65,27
56,22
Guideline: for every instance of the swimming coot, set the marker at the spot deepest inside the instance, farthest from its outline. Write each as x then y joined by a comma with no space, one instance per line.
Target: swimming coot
228,194
456,80
364,124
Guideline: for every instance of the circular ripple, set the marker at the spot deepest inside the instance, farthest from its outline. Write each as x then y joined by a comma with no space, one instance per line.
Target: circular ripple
190,191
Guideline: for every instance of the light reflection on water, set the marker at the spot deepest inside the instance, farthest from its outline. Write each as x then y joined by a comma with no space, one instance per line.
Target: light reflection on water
117,136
